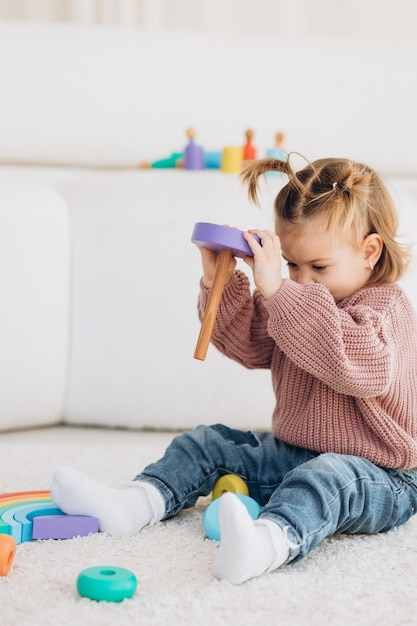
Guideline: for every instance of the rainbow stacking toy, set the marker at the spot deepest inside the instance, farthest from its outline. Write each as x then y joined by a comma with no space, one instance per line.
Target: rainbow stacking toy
27,515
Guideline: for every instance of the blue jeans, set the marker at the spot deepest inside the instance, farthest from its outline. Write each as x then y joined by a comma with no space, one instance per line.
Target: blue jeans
313,495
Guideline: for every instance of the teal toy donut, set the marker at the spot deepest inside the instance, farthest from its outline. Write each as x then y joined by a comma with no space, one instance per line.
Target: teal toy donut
112,584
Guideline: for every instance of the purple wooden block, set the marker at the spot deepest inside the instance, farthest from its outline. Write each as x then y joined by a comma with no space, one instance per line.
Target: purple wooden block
63,526
218,238
193,157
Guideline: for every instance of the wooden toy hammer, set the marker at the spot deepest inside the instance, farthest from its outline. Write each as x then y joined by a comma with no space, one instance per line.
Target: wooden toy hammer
227,242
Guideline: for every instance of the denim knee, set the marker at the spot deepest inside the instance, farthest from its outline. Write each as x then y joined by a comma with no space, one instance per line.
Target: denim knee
195,460
335,494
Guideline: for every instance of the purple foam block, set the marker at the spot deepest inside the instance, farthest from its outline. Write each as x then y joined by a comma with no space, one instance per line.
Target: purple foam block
63,526
219,238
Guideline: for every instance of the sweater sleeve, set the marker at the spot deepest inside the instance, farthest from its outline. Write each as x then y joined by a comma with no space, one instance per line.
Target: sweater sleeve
241,331
351,346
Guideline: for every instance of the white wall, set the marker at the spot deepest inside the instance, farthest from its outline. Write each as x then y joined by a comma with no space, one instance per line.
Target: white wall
79,87
358,19
103,96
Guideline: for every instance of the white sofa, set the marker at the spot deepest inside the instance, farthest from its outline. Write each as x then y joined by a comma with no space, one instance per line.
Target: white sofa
100,281
97,272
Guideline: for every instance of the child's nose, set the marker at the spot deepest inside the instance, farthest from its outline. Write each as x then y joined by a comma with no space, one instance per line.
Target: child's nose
304,277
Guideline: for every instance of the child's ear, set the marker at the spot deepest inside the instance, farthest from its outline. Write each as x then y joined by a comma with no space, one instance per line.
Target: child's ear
372,249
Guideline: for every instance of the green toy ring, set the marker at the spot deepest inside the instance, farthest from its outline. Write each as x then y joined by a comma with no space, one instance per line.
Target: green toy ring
112,584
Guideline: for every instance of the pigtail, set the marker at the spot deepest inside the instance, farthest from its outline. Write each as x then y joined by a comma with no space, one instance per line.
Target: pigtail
349,195
353,182
254,169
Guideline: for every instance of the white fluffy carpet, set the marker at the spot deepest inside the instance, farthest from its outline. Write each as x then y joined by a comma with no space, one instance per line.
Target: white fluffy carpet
349,580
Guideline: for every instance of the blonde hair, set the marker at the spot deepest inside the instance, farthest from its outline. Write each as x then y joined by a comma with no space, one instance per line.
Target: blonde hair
350,198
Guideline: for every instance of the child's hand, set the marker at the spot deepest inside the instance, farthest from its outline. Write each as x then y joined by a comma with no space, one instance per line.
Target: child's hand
266,260
209,259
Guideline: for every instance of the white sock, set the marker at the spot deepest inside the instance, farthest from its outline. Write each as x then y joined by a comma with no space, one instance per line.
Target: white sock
119,511
247,548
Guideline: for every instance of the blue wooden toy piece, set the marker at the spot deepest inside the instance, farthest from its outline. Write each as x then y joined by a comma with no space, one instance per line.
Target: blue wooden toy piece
19,499
26,518
211,515
278,152
21,511
212,160
17,517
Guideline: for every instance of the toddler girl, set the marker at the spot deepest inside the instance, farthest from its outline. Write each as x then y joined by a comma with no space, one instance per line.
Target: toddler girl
339,336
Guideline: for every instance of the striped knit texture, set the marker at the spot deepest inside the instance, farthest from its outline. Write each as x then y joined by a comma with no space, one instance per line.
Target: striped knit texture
344,375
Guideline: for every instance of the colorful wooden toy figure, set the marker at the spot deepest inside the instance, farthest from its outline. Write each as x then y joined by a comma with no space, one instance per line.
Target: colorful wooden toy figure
278,152
249,150
27,515
193,155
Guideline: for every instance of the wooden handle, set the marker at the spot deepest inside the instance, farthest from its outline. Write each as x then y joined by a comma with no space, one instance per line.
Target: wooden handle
213,303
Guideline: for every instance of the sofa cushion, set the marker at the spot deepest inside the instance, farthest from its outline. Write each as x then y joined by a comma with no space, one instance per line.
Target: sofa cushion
34,284
134,297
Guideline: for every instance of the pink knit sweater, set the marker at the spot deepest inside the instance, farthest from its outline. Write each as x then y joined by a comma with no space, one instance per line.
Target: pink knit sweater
344,375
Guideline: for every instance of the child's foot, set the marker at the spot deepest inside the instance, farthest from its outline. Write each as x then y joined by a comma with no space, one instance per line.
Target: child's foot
247,548
119,511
